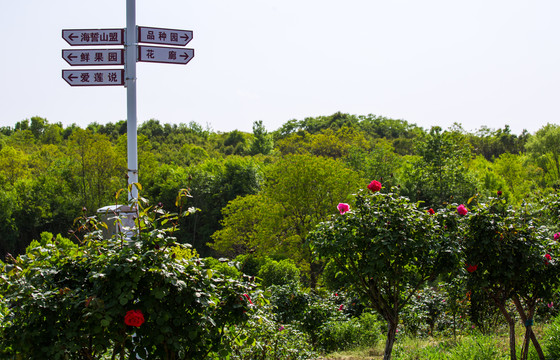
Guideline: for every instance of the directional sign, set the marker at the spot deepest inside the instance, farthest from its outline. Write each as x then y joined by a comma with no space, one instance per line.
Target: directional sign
164,36
112,77
94,57
82,37
168,55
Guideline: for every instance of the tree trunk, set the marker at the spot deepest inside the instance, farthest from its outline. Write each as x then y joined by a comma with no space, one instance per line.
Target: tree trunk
511,323
530,332
391,336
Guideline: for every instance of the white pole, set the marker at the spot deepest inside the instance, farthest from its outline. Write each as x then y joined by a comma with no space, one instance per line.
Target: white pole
130,83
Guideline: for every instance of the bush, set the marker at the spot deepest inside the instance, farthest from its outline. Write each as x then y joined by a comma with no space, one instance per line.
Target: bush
263,338
552,340
72,301
281,272
348,334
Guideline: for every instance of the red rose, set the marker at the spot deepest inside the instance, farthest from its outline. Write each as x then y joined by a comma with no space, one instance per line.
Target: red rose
471,268
374,186
499,192
134,318
248,299
431,211
548,257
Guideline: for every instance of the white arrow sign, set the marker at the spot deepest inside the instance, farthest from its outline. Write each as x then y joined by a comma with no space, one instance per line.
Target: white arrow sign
164,36
112,77
167,55
82,37
94,57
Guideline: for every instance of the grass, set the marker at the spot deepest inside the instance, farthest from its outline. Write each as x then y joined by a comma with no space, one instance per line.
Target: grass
467,347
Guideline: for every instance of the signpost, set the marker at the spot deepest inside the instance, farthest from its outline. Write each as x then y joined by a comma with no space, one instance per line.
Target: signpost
94,57
161,36
168,55
105,77
103,37
132,53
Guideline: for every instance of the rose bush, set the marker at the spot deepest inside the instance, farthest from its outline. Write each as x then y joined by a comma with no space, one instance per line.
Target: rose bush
395,249
510,256
118,298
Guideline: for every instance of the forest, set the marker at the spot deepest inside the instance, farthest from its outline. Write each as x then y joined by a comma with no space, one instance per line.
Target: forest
266,198
49,173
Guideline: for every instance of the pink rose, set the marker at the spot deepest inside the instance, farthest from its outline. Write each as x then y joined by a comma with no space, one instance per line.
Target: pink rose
343,207
556,236
374,186
462,210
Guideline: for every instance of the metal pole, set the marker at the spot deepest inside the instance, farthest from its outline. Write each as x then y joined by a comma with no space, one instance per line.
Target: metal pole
130,83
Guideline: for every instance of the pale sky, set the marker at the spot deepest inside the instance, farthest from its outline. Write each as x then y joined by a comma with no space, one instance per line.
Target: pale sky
430,62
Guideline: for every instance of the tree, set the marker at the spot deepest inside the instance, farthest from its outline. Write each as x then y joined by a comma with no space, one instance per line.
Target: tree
262,141
440,175
510,255
544,148
387,248
300,191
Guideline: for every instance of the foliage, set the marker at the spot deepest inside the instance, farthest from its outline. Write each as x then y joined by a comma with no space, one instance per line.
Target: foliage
281,272
299,192
552,340
468,348
544,148
263,338
67,300
388,248
348,334
510,254
440,175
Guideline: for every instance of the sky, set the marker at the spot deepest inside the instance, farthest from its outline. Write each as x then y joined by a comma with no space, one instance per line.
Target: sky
431,62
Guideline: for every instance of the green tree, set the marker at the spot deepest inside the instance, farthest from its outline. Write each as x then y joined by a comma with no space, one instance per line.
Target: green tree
440,175
510,255
387,249
300,191
262,141
544,148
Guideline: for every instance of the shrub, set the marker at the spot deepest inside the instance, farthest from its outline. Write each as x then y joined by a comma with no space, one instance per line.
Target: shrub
281,272
116,296
263,338
347,334
552,340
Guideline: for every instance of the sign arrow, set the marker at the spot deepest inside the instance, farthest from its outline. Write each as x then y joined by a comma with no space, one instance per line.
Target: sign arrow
111,77
165,55
163,36
81,37
71,57
94,57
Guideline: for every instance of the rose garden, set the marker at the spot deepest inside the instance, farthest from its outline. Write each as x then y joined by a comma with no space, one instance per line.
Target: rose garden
392,271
